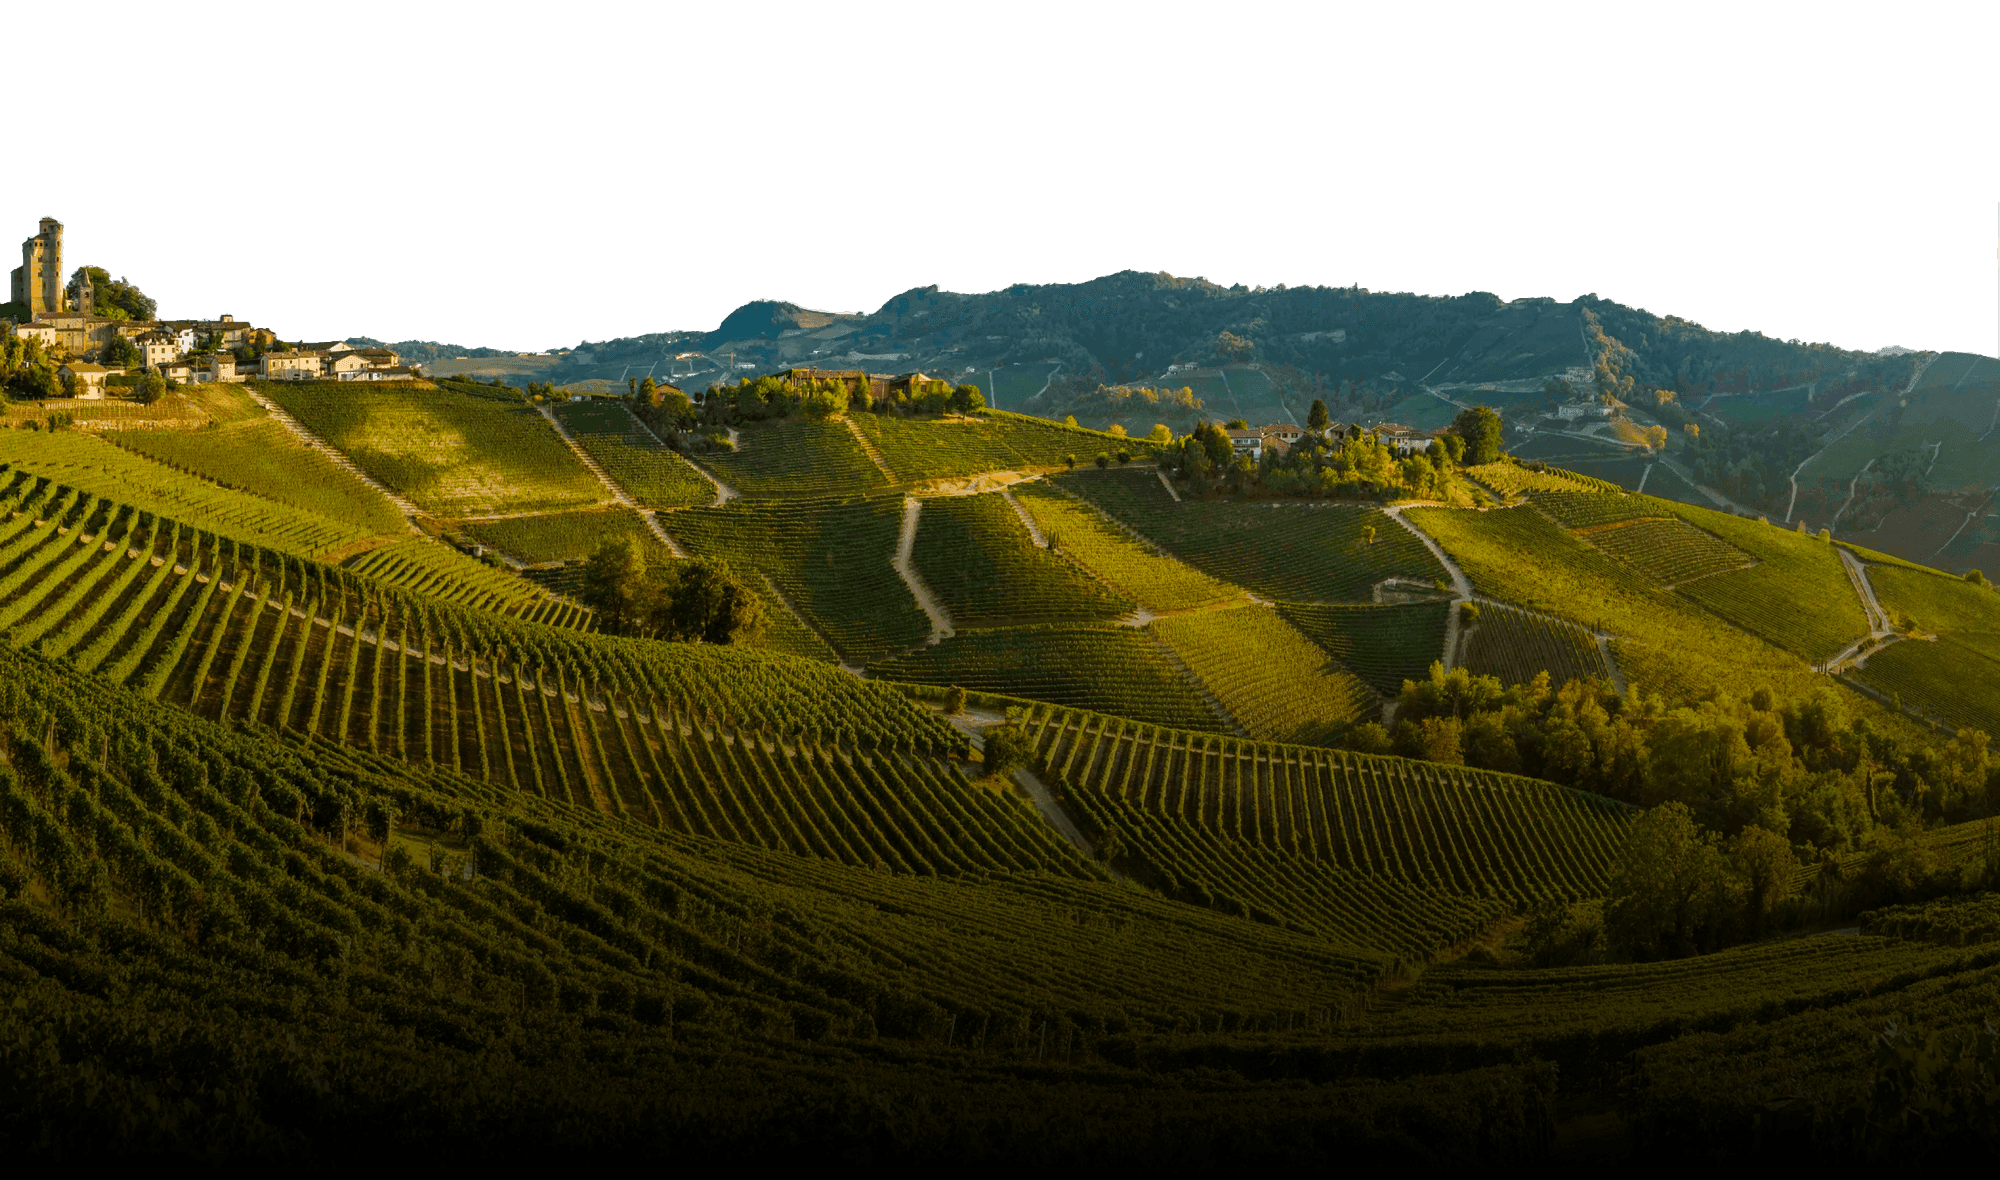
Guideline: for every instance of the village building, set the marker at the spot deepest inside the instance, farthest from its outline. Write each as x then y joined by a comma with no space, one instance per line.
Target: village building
364,364
38,283
1404,440
297,365
179,372
159,347
1246,442
1571,411
1282,436
84,379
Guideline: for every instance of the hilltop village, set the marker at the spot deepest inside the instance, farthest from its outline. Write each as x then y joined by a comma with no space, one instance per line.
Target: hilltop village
95,348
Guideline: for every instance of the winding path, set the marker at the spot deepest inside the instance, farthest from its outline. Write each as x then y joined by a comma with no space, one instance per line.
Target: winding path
1794,477
618,492
1460,584
906,544
298,430
1035,533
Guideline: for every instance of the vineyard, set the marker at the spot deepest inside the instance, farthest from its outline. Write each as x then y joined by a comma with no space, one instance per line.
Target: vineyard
1512,479
797,457
1953,608
1941,680
1117,670
1515,645
565,536
975,554
1274,682
436,570
1467,832
831,558
1807,609
1383,645
83,461
1128,566
1290,552
261,457
1585,510
1668,552
649,471
919,449
451,452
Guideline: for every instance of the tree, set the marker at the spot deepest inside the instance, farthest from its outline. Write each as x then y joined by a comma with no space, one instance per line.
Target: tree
115,299
1368,534
1162,433
1103,460
954,701
1070,461
1317,417
1115,430
1975,577
707,603
1069,420
1668,887
1764,867
120,353
151,387
1479,426
1004,750
968,399
1236,424
1693,431
616,586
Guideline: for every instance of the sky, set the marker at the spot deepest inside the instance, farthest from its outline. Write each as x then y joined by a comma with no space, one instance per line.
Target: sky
530,176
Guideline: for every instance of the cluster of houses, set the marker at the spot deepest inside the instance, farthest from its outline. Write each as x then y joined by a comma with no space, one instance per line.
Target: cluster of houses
1280,437
63,320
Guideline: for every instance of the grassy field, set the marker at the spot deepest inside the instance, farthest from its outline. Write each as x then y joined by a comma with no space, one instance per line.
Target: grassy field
565,536
976,555
1276,683
1116,670
1288,551
450,452
1128,566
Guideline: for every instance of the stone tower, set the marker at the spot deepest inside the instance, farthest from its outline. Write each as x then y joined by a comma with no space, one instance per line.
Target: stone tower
38,283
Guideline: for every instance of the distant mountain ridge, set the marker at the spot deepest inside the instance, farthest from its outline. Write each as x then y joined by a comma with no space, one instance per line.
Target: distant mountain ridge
1746,416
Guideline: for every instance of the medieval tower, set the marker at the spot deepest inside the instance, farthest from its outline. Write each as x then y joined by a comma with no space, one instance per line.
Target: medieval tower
38,283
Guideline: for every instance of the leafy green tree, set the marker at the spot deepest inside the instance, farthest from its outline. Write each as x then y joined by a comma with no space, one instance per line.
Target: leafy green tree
968,399
1005,749
1317,417
709,604
151,387
120,353
954,701
615,585
1236,424
1975,577
1162,433
115,299
1103,460
1764,867
1479,426
1669,891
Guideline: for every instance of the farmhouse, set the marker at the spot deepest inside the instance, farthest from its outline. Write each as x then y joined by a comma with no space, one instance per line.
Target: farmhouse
84,379
1404,440
1247,442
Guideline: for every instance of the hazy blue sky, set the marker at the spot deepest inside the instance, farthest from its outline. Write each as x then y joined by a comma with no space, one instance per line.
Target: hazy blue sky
531,175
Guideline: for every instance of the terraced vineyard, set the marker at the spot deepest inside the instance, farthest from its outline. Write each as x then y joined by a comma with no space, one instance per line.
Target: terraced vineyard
1514,645
1118,670
1383,645
436,570
832,558
83,461
452,452
649,471
1668,552
1942,680
1128,566
1512,479
976,555
259,456
1812,617
565,536
1446,828
797,457
1950,607
1276,683
1303,553
918,449
1575,509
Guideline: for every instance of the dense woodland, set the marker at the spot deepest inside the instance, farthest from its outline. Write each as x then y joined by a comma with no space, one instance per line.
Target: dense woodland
774,774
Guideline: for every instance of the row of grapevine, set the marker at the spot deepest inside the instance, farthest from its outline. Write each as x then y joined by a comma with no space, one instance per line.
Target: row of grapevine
976,555
796,457
1944,680
833,559
1275,683
651,472
918,449
1118,670
1515,645
1130,567
565,536
1383,645
1590,509
439,571
1466,831
1290,551
1668,552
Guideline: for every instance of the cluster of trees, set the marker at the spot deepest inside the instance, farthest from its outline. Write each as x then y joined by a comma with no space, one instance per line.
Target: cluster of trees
757,399
691,601
114,299
1125,401
1351,464
1808,769
27,371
